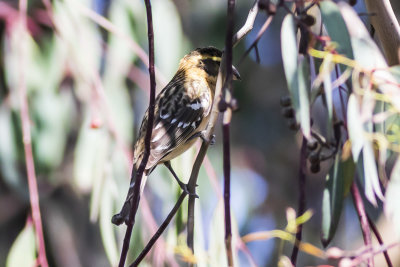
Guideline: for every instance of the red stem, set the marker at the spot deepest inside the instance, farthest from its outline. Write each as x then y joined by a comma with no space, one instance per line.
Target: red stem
380,241
358,203
26,135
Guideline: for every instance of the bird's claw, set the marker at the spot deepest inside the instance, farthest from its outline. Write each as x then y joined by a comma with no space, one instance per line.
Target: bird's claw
185,189
123,215
212,140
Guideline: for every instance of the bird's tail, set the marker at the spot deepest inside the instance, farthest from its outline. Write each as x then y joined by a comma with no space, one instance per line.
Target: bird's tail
123,215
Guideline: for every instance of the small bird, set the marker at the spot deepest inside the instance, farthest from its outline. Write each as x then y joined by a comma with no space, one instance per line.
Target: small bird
182,112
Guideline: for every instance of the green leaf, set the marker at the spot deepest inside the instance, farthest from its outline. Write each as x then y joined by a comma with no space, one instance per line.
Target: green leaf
355,127
91,153
336,28
304,85
106,227
81,39
217,250
23,250
395,71
392,123
167,26
368,170
326,69
368,55
338,181
371,179
296,72
10,153
392,202
52,113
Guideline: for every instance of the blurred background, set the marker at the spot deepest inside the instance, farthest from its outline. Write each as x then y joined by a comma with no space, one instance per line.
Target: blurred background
88,87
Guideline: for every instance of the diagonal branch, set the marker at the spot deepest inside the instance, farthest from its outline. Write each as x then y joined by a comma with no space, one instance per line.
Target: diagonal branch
358,203
160,230
380,241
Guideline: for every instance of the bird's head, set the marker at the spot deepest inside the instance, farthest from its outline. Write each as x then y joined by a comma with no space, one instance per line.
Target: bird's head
207,59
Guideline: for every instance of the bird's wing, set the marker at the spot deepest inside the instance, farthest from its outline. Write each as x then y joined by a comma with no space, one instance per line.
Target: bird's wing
174,123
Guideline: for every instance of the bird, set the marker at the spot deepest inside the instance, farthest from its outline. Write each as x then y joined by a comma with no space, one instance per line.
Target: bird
181,115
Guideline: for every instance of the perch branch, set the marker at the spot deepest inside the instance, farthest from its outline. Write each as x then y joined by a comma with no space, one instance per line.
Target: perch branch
143,163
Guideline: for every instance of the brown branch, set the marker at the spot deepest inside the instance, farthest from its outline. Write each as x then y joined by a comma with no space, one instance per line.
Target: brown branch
380,241
302,198
160,230
153,227
208,133
358,203
258,37
387,27
26,136
227,92
146,154
248,25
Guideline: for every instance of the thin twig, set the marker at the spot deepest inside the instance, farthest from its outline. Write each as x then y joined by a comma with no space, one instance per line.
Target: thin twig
192,190
204,146
258,37
26,132
359,257
358,203
248,25
160,230
302,198
149,130
380,241
153,227
226,97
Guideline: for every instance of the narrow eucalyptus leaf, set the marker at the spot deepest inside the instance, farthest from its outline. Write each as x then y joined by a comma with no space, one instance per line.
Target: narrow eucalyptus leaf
338,181
355,128
296,73
392,202
23,250
336,28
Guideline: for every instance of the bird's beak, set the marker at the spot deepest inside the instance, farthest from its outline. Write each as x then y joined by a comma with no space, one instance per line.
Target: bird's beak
236,75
